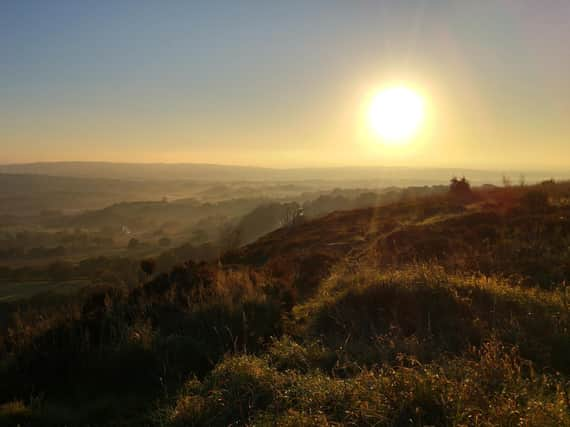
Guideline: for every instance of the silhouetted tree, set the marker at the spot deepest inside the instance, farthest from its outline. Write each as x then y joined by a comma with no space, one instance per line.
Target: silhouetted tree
460,187
148,266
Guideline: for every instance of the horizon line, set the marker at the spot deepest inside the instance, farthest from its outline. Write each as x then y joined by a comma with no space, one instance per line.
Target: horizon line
294,168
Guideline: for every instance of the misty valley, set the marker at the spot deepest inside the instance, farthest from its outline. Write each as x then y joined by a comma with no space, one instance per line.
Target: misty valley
60,234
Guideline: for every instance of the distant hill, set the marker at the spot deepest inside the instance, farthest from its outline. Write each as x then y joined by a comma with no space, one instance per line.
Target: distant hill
134,171
384,176
29,194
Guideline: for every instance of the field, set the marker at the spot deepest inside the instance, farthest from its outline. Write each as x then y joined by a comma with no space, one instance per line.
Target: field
449,309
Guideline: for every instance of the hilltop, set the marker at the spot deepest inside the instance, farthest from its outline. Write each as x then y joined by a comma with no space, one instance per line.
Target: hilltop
448,309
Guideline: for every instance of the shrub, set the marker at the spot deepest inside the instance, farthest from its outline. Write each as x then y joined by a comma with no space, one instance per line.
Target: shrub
460,188
535,201
148,266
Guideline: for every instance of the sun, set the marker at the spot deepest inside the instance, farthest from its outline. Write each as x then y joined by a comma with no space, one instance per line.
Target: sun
396,114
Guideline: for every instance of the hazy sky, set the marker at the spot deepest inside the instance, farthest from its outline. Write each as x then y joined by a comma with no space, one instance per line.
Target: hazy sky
283,83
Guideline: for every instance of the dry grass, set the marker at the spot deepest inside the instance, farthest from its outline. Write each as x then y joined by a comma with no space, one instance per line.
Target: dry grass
419,313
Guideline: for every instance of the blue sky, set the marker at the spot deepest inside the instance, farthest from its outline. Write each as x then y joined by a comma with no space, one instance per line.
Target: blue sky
282,83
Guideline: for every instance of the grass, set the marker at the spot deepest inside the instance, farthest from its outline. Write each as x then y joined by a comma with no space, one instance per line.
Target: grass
406,347
434,311
461,320
486,387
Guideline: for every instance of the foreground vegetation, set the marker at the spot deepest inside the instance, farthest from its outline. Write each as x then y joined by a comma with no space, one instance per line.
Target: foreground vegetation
443,311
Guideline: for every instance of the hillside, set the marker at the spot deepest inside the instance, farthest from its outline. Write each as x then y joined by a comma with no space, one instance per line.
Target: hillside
451,309
494,235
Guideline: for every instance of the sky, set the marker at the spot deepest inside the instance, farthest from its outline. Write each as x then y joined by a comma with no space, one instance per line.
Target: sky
284,84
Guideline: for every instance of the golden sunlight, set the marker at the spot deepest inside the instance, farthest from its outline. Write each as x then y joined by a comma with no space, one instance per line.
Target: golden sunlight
396,113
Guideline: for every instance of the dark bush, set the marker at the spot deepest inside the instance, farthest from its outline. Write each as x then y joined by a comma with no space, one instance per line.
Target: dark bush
535,201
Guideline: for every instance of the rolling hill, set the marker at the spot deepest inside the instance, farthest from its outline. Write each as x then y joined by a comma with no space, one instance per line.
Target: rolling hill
451,309
382,176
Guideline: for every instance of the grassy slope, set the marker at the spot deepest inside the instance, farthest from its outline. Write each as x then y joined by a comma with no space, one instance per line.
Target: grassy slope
419,313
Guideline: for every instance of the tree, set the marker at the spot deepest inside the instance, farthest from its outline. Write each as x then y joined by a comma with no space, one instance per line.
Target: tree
294,214
148,266
460,187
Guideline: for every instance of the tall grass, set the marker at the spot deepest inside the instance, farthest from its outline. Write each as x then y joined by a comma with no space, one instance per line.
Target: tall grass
457,320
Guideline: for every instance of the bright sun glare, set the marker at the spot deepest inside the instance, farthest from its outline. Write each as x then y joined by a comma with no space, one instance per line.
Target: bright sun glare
396,113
